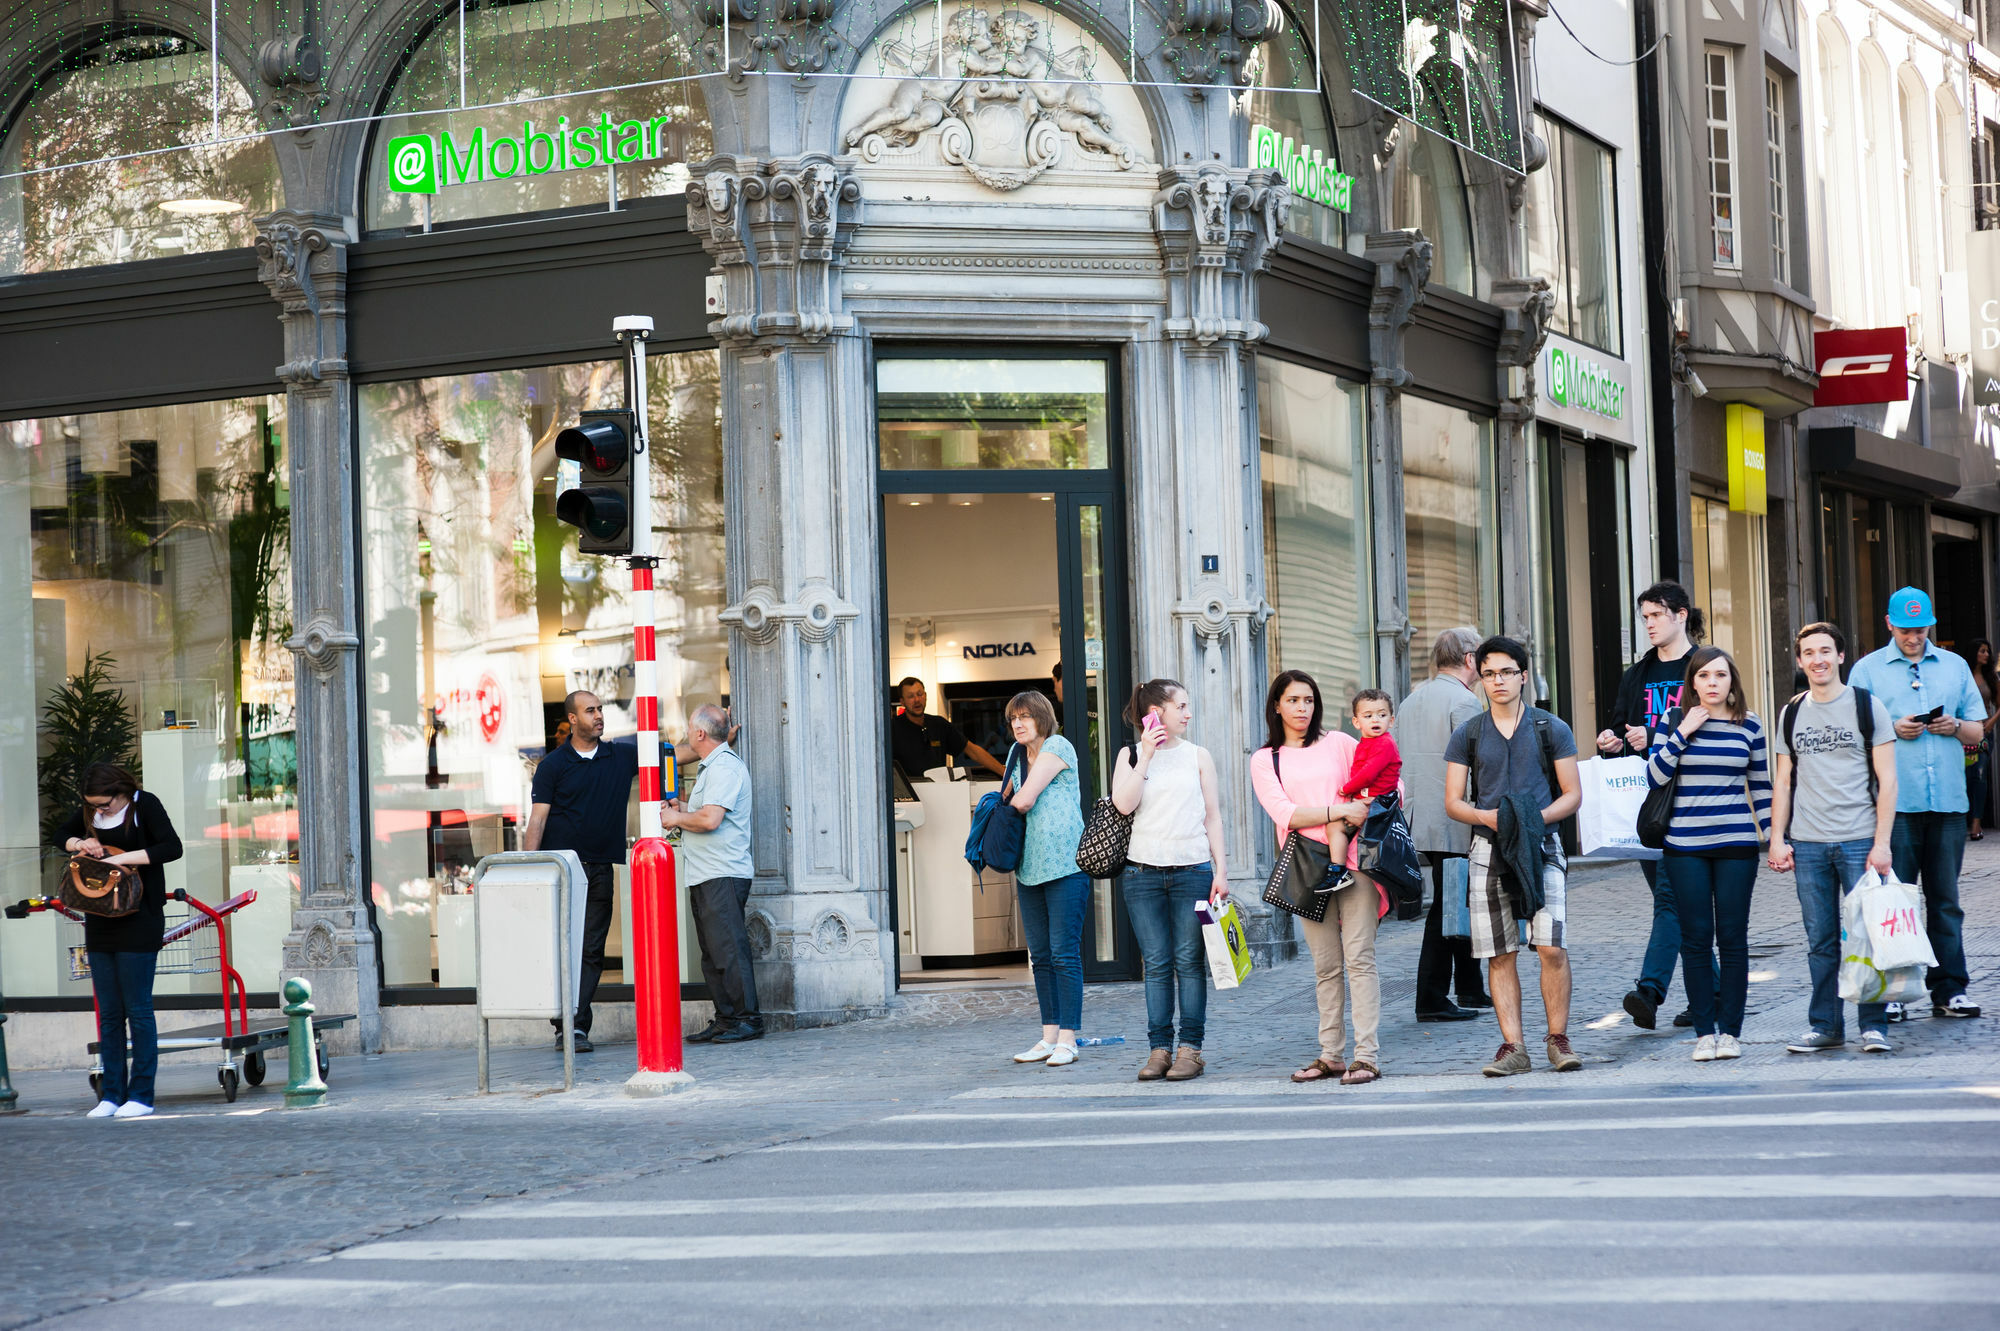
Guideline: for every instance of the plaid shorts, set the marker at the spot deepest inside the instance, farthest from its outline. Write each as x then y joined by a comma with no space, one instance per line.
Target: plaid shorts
1495,931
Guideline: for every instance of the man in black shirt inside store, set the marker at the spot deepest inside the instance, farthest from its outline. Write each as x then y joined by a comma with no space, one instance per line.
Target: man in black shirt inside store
918,742
581,792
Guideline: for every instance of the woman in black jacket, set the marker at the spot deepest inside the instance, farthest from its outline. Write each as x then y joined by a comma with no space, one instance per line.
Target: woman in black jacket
122,824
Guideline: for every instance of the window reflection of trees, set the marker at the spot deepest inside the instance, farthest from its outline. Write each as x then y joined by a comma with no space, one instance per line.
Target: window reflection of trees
133,94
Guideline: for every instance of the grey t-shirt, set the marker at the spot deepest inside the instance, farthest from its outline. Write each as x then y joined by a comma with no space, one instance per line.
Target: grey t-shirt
1503,766
1831,801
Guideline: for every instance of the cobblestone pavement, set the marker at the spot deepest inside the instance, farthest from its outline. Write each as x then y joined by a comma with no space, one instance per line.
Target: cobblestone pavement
214,1189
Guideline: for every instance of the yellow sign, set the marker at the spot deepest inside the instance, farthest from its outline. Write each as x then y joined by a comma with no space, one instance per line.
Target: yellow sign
1747,493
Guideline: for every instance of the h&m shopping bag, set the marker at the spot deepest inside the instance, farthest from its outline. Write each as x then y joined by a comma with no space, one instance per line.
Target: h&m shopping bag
1613,791
1893,912
1228,948
1861,979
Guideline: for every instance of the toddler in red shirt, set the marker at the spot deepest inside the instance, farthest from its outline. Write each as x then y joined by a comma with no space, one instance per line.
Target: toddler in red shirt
1376,770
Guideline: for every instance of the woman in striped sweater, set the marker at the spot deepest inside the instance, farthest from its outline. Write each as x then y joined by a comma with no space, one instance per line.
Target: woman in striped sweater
1721,816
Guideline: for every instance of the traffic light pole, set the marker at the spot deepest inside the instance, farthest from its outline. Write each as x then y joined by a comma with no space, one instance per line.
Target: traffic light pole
656,988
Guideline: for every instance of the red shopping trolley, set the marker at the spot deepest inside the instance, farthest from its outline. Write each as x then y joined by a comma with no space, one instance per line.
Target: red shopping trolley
195,943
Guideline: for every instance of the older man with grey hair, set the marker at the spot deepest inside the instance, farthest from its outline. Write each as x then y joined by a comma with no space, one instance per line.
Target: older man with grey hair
715,863
1424,724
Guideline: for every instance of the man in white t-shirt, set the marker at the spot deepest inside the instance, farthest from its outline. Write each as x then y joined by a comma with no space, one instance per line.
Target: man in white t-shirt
1835,795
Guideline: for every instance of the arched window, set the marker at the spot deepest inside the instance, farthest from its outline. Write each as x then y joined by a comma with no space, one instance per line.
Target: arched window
540,136
1918,175
1879,193
1291,132
1954,186
1839,195
1430,196
130,95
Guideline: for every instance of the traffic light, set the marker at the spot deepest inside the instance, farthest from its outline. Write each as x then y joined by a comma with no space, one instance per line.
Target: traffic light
600,443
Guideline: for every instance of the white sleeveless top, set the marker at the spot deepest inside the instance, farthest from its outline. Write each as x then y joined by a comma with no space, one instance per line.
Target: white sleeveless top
1168,830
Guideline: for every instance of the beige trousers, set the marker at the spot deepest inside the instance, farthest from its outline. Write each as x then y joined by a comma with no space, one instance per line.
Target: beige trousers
1343,952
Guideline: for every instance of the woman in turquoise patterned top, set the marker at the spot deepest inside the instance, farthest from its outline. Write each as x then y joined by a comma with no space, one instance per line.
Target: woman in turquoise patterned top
1052,891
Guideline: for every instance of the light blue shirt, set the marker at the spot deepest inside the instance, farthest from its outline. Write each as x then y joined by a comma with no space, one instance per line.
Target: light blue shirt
1055,824
1930,769
725,852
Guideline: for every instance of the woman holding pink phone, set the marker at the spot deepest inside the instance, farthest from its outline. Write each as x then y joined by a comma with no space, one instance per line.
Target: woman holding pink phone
1175,860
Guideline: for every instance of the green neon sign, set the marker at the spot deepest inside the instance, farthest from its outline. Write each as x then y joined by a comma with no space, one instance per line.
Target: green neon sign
425,163
1583,384
1304,168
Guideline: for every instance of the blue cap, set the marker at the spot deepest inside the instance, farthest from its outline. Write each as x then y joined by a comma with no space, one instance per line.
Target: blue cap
1910,608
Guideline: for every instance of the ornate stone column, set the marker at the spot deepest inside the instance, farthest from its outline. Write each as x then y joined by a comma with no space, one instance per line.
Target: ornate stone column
802,531
1197,494
1526,303
302,258
1402,262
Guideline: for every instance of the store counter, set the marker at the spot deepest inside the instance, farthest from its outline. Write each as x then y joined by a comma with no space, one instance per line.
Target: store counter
948,910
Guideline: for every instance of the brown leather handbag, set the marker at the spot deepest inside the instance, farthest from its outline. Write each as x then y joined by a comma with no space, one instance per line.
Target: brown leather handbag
107,891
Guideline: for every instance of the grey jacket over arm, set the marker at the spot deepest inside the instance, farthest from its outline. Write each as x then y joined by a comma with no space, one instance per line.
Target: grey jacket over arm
1424,725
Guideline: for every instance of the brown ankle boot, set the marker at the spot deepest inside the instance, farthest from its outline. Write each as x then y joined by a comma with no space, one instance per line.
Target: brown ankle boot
1187,1064
1156,1066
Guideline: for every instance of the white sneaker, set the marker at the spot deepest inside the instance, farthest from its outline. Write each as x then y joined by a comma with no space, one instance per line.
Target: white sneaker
1726,1046
1041,1051
1892,1012
1874,1042
105,1109
1704,1049
1062,1056
133,1109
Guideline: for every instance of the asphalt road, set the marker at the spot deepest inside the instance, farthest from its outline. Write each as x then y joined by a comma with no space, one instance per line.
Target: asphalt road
1537,1204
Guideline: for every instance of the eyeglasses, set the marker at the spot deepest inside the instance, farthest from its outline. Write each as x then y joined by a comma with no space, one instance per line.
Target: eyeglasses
1494,676
98,801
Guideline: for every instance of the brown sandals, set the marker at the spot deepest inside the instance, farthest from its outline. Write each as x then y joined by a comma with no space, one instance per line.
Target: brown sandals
1320,1069
1360,1075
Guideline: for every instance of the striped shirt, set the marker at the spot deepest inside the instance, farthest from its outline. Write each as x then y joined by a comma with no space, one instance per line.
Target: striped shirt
1723,805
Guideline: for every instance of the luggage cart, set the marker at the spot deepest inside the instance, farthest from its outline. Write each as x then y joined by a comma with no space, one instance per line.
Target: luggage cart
195,943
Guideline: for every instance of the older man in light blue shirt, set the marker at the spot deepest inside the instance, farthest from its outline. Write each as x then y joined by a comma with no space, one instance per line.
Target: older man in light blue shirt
715,864
1914,679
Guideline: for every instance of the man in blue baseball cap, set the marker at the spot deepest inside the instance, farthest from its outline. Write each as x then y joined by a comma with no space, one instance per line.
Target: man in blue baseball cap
1938,712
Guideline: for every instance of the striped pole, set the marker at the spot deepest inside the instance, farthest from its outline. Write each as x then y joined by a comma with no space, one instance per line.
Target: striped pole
656,981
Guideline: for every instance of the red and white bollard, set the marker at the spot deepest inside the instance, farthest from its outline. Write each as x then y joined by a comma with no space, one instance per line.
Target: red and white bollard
656,987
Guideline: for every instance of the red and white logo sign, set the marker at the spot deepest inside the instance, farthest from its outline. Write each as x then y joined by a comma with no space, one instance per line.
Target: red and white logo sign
492,707
1857,365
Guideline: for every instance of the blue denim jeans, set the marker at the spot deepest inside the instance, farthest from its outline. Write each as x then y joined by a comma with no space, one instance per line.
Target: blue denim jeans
123,982
1827,871
1161,905
1663,946
1928,849
1052,918
1712,903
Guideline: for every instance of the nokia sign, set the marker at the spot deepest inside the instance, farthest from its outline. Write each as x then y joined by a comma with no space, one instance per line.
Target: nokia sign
1861,365
983,651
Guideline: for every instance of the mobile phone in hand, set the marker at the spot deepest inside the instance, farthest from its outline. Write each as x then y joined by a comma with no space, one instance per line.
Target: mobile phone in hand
1934,714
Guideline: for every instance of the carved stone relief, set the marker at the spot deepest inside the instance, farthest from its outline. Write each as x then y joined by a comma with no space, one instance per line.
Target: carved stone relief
1001,98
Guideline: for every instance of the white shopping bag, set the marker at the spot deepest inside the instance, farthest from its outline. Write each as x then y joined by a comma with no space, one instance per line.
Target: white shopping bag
1228,949
1893,912
1861,981
1613,790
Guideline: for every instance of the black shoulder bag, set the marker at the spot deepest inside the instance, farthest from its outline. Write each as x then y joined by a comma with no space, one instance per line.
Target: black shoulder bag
1301,872
1658,811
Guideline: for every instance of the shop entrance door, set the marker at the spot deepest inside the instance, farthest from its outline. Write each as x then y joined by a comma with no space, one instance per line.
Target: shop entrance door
1003,572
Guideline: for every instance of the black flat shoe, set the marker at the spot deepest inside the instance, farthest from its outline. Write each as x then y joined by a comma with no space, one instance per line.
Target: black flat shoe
1449,1014
1476,1001
1643,1008
706,1033
738,1033
1685,1020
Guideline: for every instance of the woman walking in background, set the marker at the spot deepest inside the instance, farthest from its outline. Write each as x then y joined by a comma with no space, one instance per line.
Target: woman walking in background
1174,861
122,824
1052,891
1298,775
1979,758
1721,817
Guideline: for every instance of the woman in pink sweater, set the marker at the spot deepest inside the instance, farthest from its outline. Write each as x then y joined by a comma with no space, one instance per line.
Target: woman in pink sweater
1298,776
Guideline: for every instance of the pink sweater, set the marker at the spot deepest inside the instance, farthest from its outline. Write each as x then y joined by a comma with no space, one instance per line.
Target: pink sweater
1313,776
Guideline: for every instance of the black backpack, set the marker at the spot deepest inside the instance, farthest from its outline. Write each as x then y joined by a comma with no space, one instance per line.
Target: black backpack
1864,721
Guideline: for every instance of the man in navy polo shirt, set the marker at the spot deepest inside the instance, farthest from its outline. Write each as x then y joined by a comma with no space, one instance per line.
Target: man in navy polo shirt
1914,679
581,791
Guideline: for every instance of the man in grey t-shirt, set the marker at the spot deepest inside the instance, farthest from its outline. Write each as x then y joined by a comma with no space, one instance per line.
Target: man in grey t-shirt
1839,820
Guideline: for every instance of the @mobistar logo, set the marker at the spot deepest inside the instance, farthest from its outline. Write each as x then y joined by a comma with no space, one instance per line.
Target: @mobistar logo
426,163
1837,366
413,167
1578,382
